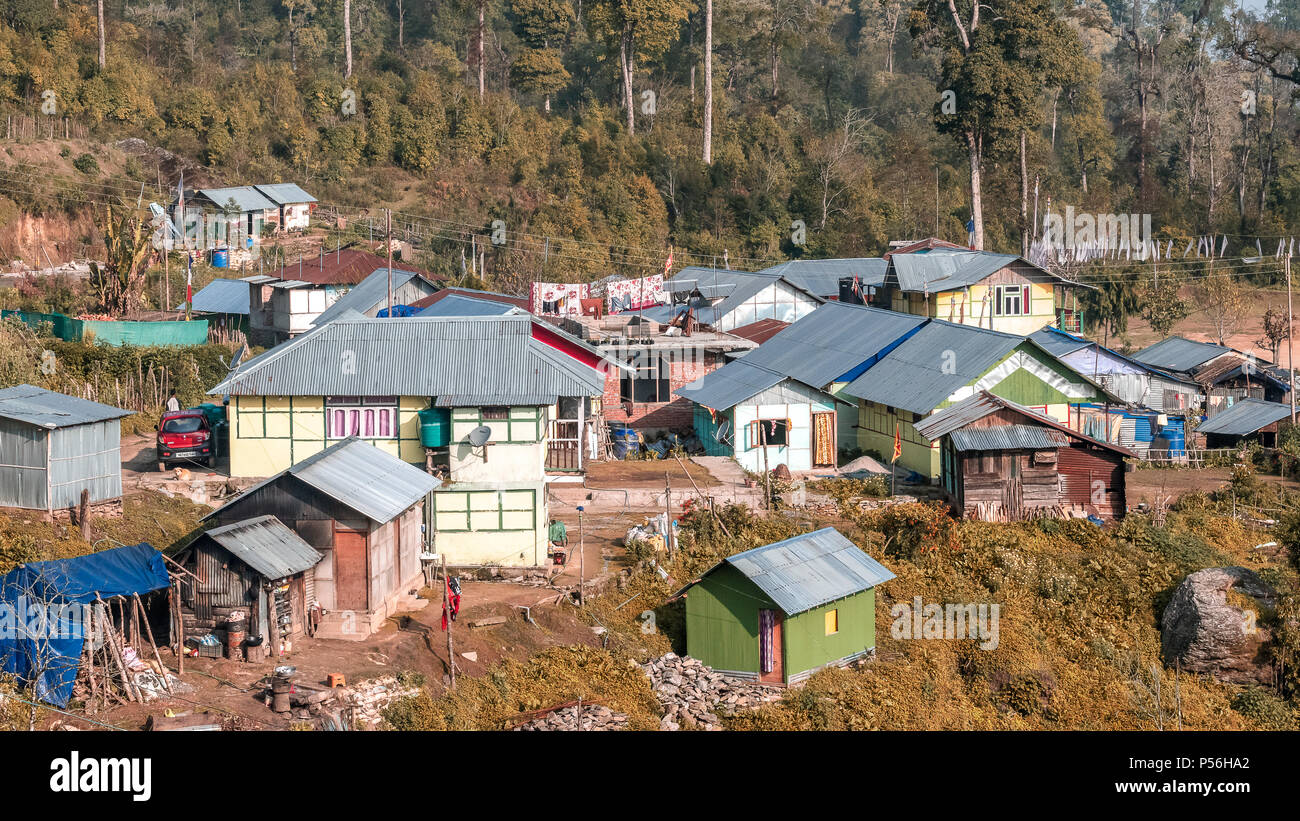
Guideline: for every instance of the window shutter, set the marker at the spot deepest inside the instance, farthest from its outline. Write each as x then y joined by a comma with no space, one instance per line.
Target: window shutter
1024,309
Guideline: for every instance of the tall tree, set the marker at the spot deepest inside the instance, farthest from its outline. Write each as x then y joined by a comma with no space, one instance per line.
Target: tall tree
539,68
708,82
99,17
347,38
638,28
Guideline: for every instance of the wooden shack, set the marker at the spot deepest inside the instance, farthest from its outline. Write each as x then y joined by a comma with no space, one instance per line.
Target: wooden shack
1004,462
256,566
363,510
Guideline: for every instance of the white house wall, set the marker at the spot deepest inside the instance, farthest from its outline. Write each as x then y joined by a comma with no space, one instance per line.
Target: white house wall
777,301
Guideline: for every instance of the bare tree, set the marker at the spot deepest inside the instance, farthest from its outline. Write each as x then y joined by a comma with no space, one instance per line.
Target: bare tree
99,12
834,156
347,38
708,82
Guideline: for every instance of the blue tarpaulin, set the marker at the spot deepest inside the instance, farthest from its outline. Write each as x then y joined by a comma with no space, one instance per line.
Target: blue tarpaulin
42,612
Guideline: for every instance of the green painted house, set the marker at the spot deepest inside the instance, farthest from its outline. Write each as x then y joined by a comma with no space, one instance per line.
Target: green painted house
778,613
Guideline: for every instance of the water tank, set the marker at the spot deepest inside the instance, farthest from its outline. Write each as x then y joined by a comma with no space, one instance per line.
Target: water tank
435,427
1173,435
221,258
624,439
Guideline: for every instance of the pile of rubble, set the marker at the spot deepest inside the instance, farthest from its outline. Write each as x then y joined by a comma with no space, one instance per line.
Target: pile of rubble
586,717
369,699
689,691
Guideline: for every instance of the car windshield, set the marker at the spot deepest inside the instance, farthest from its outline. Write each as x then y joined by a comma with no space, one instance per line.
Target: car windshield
183,424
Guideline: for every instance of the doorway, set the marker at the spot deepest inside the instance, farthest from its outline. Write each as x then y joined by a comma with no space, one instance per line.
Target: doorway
771,652
823,440
350,570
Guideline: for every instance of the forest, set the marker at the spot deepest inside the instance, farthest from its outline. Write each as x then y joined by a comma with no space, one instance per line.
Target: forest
602,133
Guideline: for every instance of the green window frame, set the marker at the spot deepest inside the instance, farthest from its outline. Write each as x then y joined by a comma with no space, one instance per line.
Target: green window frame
476,514
523,424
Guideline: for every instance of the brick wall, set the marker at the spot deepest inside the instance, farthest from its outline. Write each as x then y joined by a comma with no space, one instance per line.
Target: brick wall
665,416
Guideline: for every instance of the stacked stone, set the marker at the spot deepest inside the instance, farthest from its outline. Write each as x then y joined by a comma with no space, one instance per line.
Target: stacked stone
691,693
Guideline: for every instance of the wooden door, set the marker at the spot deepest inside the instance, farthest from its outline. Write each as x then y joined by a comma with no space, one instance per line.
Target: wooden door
823,440
350,570
771,652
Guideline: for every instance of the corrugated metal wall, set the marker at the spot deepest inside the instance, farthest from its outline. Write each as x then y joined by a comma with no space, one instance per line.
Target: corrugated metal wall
85,456
23,478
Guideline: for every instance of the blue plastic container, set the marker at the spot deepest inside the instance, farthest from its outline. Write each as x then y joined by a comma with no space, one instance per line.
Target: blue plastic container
221,258
624,439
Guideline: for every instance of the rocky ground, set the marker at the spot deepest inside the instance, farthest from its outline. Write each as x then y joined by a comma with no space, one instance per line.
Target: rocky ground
584,717
693,694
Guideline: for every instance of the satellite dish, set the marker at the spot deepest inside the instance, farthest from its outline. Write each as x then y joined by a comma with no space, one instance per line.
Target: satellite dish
480,435
723,431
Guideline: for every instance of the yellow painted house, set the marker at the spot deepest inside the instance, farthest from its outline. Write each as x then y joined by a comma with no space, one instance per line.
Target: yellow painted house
943,363
387,381
1000,292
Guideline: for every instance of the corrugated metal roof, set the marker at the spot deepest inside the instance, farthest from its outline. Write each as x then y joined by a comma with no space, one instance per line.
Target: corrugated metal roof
1230,367
242,198
1179,354
1058,343
457,305
810,570
469,400
947,269
221,296
760,331
267,546
418,356
489,296
343,266
47,409
367,294
943,269
822,276
954,419
833,341
1061,344
931,365
363,477
285,193
732,288
1245,417
730,385
1008,437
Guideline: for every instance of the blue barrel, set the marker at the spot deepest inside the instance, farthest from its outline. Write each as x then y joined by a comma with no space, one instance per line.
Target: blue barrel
435,427
624,439
1173,435
221,258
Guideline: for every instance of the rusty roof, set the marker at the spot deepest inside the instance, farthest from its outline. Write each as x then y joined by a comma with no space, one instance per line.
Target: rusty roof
347,266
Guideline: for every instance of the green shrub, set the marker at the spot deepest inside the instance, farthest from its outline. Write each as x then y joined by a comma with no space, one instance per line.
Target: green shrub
1264,709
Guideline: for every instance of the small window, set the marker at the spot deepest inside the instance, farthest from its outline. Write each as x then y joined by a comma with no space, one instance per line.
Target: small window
832,622
771,432
498,412
1012,300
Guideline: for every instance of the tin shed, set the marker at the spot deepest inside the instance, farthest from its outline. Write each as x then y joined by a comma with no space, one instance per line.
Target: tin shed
778,613
362,509
53,446
256,565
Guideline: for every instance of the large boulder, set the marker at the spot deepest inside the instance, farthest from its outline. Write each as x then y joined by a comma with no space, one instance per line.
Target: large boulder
1204,632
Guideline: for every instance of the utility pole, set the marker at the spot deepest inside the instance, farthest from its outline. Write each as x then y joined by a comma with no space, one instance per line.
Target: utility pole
1290,362
446,609
582,567
388,240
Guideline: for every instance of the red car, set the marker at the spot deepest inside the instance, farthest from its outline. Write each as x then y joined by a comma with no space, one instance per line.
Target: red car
185,436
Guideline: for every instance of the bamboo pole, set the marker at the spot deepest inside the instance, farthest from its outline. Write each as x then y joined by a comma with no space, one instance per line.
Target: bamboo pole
162,670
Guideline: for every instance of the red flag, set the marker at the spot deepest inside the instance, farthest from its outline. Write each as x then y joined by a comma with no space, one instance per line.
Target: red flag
669,264
898,444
